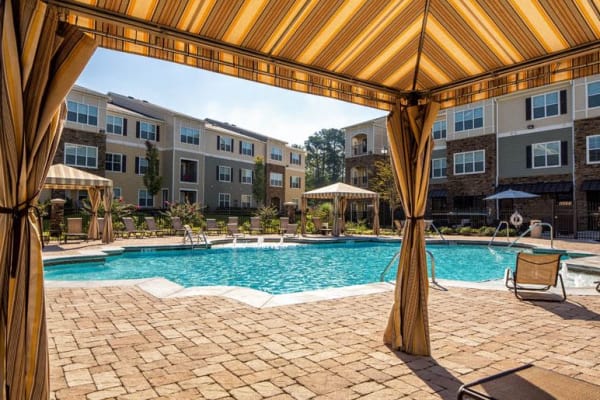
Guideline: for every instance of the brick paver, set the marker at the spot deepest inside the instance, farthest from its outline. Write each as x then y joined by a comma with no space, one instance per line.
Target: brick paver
120,342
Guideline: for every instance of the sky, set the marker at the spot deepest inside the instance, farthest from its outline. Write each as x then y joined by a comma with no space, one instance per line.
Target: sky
275,112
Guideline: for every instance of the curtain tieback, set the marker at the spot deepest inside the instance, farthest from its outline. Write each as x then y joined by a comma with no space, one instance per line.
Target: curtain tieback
18,213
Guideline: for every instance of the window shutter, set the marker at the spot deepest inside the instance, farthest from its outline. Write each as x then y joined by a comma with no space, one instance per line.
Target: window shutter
564,153
231,150
123,163
528,108
240,175
240,147
528,156
290,181
290,157
217,172
137,129
157,133
563,102
300,182
231,174
137,165
252,176
218,142
253,150
124,126
300,158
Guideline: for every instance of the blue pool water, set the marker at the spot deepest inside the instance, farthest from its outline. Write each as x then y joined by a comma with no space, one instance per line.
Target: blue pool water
288,269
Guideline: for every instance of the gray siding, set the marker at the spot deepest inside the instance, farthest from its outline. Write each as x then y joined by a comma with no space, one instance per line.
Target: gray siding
213,187
513,158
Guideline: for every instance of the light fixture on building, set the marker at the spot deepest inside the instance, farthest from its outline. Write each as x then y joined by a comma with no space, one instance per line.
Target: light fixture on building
530,126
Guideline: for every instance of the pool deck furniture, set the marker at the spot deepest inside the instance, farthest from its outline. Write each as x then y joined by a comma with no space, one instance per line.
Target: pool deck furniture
255,225
535,273
153,229
212,227
233,230
177,226
529,382
283,223
130,229
74,230
325,229
291,230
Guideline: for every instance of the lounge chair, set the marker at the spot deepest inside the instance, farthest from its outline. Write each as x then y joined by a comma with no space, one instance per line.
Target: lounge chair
528,382
130,228
325,229
212,227
152,228
255,225
233,230
317,224
177,226
399,227
283,223
535,272
75,229
291,230
232,220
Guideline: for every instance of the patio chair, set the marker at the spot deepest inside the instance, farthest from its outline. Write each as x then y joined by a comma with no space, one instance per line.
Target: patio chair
232,220
528,382
291,230
177,226
75,229
255,225
233,230
399,227
317,224
130,228
212,227
535,272
153,229
283,223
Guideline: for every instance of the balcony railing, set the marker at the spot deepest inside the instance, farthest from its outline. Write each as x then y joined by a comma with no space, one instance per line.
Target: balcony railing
360,149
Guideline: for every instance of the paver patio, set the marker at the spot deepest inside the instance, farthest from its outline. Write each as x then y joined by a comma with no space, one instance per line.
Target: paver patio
121,342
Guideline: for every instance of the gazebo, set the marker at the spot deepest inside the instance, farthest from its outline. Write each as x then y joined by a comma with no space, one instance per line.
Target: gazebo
340,193
63,177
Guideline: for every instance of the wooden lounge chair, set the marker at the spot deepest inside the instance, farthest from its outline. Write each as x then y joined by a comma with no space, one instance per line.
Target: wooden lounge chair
529,382
75,230
255,225
233,230
152,228
291,230
283,223
130,228
177,226
535,272
212,227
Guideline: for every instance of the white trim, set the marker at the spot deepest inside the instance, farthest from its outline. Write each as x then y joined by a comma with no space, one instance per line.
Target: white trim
558,114
534,130
188,190
197,170
219,199
433,169
587,96
76,145
121,162
587,150
147,193
546,154
242,175
230,173
467,173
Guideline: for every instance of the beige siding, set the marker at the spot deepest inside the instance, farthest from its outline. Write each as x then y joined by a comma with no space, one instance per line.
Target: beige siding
89,97
488,121
581,110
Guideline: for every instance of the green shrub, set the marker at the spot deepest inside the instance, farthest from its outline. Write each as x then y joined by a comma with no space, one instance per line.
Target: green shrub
465,230
487,231
445,230
511,232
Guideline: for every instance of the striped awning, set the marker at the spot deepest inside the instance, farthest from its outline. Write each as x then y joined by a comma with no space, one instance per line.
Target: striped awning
61,176
340,190
366,52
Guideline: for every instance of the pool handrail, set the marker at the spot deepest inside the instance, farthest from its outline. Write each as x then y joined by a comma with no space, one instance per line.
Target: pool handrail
397,255
535,226
498,230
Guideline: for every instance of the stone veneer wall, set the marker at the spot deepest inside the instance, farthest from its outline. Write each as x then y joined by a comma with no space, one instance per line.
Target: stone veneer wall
584,171
366,161
272,192
85,138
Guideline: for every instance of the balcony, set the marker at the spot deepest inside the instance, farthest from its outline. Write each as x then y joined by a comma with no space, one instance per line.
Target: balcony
360,149
360,181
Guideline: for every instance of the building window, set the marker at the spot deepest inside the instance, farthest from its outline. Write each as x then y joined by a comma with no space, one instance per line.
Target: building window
224,173
224,200
546,154
141,165
545,105
276,179
117,193
295,182
438,168
276,154
359,176
147,131
187,196
115,162
224,144
593,149
295,159
593,92
246,201
81,156
468,119
246,176
439,130
188,171
469,162
189,135
114,125
82,113
145,199
246,148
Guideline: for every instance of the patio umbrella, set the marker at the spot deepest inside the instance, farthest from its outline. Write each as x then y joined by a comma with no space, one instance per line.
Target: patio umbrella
511,194
40,60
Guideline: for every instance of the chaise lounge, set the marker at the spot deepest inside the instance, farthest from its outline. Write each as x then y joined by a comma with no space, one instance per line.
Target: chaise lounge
535,273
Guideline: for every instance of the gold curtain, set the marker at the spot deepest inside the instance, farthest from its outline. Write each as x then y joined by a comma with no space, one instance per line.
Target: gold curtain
94,195
411,144
39,62
107,234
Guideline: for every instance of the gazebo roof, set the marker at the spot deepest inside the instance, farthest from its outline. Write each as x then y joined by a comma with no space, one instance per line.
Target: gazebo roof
340,190
61,176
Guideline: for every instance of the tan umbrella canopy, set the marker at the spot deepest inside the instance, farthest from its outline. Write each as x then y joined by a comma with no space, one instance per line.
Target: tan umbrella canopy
62,176
340,193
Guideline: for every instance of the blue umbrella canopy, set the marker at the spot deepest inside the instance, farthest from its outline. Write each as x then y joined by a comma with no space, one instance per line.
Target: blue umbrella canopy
511,194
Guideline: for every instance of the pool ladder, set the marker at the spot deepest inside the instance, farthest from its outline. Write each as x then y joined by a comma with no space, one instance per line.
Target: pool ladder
502,223
189,235
397,255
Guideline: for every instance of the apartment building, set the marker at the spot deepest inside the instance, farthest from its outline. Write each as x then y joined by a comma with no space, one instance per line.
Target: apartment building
200,160
545,141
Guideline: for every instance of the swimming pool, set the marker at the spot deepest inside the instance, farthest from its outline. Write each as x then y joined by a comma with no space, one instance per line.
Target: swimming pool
279,270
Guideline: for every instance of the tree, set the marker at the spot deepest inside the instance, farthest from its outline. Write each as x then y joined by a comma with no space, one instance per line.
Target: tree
258,181
152,177
324,158
384,183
